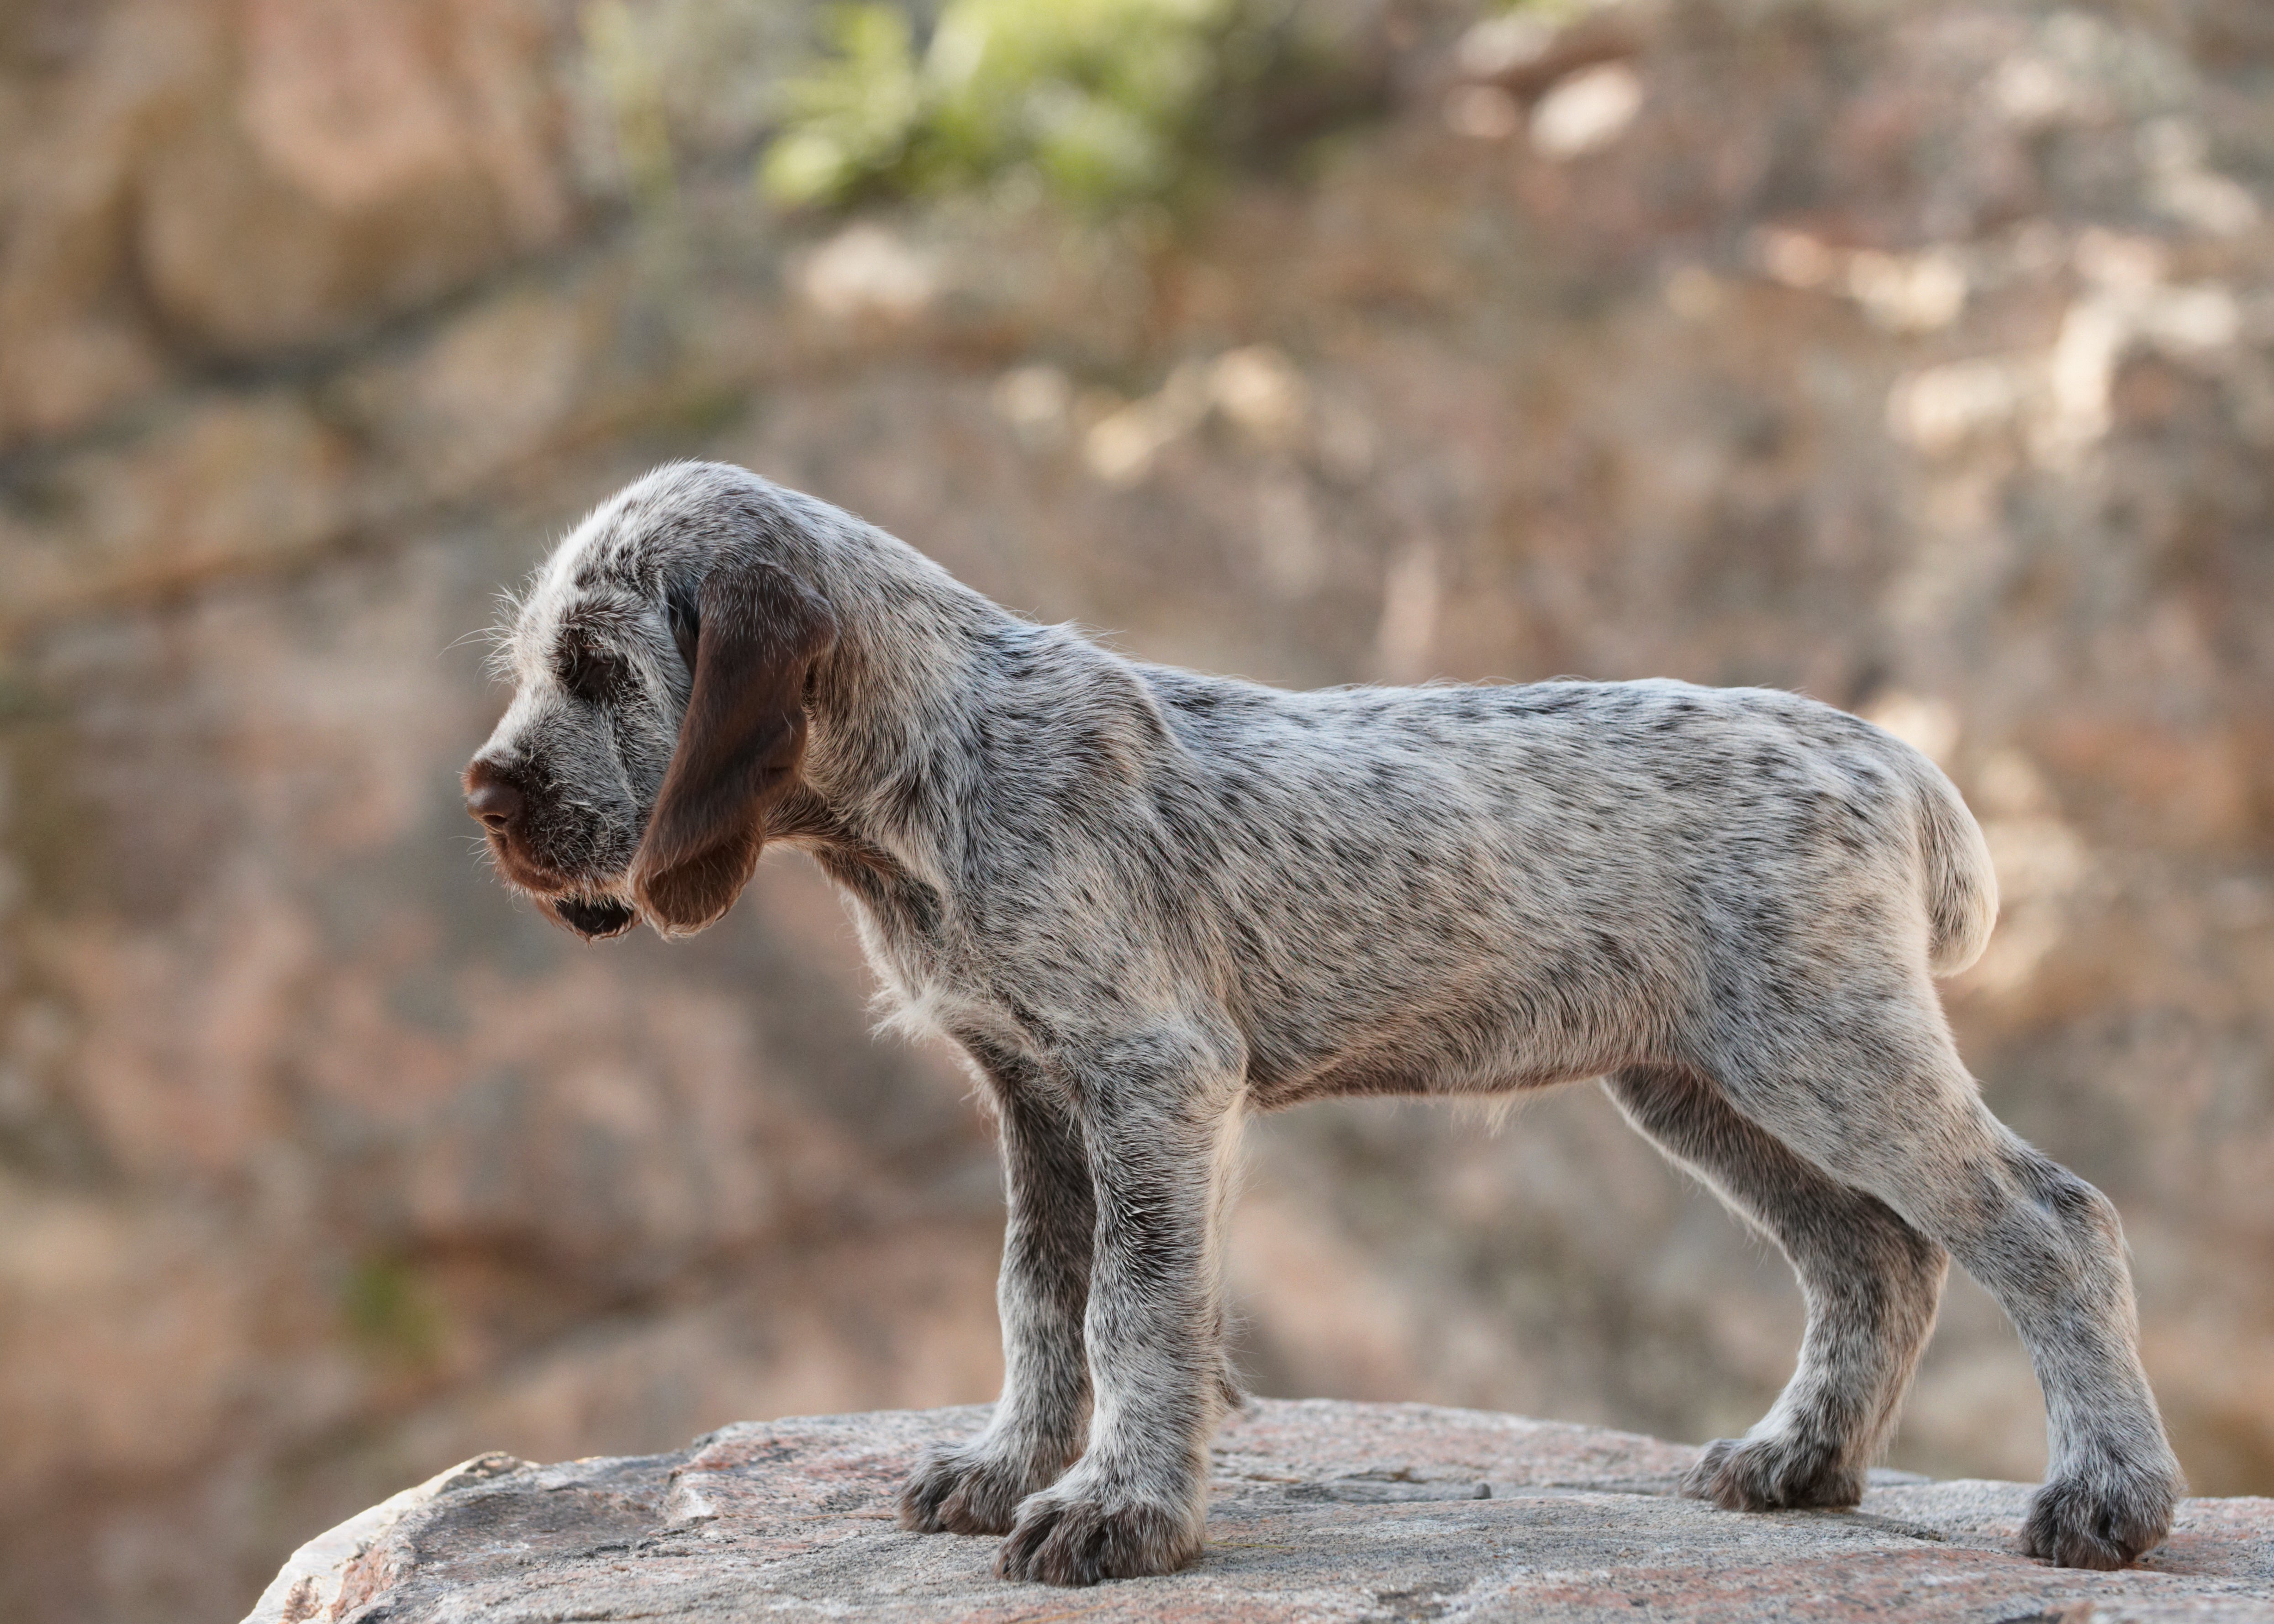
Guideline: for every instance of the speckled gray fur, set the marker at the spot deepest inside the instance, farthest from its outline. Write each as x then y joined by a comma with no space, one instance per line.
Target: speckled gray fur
1144,902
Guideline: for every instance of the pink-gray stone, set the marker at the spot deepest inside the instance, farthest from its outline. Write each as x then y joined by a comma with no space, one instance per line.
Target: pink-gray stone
1320,1510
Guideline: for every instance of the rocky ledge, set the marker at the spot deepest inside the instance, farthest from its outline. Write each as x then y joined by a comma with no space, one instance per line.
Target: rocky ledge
1320,1511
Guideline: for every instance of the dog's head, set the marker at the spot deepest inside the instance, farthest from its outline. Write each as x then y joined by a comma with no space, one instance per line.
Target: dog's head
661,658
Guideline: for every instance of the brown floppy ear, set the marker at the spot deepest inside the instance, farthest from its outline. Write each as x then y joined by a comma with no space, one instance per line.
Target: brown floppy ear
756,633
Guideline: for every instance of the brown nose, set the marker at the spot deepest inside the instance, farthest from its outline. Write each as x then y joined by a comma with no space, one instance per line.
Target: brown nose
491,797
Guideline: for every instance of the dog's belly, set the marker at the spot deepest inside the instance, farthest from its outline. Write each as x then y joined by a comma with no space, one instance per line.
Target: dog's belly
1385,1076
1447,1057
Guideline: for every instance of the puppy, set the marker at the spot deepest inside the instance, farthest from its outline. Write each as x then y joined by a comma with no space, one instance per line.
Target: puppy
1144,902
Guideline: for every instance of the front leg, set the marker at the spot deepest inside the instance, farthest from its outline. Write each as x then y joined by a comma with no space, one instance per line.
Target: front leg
1159,1115
1036,1429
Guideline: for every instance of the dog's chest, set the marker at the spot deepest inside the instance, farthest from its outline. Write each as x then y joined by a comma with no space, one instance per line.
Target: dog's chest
913,943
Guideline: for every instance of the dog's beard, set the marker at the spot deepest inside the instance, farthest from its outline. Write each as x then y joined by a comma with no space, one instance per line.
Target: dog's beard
593,918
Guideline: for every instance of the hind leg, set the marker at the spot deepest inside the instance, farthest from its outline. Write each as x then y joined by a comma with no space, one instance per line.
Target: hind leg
1892,1111
1872,1284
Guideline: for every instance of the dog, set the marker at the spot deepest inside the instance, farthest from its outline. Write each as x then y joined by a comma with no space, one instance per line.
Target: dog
1144,902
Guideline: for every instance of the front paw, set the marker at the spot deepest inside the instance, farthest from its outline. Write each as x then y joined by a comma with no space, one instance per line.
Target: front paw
2101,1520
1081,1536
968,1491
1773,1474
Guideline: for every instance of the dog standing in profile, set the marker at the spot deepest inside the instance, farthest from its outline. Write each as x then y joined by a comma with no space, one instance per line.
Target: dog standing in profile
1144,902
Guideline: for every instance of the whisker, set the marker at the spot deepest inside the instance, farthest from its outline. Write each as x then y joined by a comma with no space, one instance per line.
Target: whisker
481,632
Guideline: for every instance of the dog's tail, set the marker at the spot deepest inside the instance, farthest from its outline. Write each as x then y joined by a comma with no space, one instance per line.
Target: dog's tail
1962,887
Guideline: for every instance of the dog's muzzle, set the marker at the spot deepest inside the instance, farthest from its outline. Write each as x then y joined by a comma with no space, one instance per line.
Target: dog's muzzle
501,807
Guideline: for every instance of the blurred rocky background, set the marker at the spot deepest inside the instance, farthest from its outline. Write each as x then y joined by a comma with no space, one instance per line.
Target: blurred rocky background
1919,357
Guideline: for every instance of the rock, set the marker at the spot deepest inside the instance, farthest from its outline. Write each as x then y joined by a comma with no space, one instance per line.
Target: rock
1319,1510
217,182
482,392
74,343
230,483
382,155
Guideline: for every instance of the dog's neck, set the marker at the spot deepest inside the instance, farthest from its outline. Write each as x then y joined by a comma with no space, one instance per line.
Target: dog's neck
892,704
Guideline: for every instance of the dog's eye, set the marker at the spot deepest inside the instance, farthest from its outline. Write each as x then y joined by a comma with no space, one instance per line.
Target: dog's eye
591,674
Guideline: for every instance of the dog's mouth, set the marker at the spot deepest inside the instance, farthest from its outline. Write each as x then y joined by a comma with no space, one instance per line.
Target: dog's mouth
523,866
593,918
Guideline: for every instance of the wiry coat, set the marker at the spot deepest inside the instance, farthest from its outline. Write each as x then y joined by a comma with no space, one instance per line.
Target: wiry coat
1143,901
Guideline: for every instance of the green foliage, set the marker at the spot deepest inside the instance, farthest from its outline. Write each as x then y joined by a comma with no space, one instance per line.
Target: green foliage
631,86
387,1313
1108,101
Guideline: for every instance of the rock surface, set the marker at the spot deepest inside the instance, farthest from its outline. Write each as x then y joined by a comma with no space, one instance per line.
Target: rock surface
1319,1510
